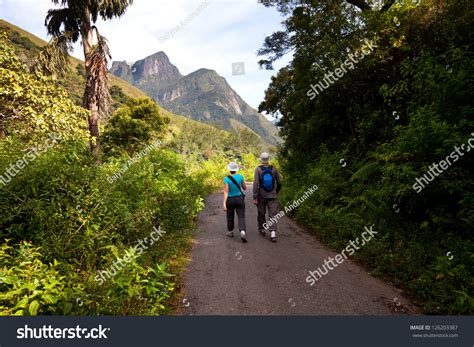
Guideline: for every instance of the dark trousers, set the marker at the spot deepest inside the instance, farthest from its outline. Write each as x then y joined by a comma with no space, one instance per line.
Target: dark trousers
235,204
262,205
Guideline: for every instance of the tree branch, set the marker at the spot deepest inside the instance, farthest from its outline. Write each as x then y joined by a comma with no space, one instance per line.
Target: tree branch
387,5
360,4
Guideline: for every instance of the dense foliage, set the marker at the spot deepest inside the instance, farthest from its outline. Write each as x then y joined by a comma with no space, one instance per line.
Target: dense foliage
25,102
134,125
365,138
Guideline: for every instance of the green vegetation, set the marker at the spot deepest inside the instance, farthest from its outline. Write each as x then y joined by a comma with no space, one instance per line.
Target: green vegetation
402,108
133,125
62,220
26,107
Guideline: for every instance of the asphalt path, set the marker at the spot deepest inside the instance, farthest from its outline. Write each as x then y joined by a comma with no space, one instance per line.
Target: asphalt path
228,277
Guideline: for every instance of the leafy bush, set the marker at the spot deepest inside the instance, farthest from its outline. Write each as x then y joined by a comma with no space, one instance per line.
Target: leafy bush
134,125
64,203
26,106
30,287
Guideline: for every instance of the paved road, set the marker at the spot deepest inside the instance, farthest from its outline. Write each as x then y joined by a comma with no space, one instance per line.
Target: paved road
228,277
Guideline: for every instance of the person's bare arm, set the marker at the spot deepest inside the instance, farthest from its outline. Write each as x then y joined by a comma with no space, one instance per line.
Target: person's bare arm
226,193
244,186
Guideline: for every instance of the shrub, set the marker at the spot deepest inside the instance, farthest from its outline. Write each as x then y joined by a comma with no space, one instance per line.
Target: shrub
134,125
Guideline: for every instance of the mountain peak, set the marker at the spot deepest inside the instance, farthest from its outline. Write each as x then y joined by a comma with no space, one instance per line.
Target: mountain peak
202,95
156,67
157,64
208,74
159,54
204,70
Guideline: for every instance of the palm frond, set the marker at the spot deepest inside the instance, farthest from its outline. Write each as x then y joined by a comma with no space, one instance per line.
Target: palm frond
113,8
54,58
62,20
62,2
97,84
108,9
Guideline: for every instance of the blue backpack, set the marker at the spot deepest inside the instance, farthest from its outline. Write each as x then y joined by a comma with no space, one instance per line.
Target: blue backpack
267,178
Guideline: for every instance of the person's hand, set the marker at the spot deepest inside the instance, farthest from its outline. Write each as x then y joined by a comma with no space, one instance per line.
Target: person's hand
255,202
224,207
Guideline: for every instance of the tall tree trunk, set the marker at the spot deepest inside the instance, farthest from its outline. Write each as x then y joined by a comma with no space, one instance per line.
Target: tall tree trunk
89,100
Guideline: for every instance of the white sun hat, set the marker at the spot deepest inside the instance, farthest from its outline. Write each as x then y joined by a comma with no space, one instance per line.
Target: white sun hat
233,166
264,157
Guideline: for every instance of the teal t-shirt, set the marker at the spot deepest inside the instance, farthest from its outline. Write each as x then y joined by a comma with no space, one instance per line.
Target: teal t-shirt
233,190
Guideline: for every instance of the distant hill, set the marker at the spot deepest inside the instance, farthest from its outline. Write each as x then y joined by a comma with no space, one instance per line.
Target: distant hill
203,95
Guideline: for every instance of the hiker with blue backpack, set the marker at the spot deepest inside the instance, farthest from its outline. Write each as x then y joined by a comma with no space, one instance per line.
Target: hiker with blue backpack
266,185
234,200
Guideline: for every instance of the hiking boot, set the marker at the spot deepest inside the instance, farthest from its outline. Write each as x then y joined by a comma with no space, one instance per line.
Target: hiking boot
273,237
230,234
262,232
242,236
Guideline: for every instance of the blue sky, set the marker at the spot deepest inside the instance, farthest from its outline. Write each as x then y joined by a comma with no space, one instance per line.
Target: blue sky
193,33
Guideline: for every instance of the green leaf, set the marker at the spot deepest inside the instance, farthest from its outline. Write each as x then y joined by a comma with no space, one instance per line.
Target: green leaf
366,171
33,309
49,299
67,308
22,303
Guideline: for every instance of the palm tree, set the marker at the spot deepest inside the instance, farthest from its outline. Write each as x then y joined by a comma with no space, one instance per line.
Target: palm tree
75,20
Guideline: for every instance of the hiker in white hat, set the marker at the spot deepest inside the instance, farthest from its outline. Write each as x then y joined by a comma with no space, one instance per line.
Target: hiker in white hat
234,200
267,183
